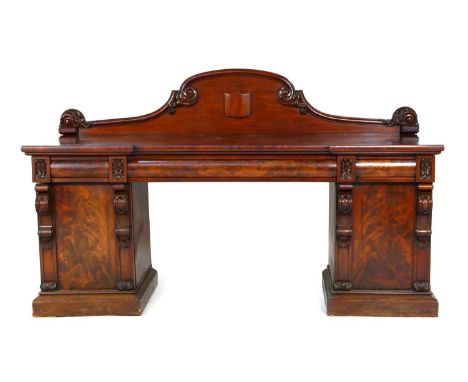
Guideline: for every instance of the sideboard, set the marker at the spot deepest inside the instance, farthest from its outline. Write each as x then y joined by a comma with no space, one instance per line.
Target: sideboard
234,125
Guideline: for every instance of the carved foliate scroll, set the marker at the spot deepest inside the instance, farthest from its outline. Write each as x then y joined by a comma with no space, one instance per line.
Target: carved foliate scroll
46,234
406,118
183,97
123,236
290,97
422,239
343,236
70,122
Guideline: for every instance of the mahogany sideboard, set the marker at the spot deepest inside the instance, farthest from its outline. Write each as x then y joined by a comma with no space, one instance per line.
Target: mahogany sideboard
234,125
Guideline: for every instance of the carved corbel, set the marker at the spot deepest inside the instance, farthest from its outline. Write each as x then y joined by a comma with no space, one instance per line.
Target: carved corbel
46,233
344,228
422,237
123,235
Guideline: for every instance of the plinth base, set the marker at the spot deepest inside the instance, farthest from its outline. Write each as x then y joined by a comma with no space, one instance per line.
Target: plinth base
87,303
377,304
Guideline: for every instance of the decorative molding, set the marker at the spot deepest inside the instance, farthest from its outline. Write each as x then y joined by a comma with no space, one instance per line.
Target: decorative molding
118,168
48,286
345,203
40,169
422,286
425,169
425,203
343,285
346,169
290,97
406,118
42,204
183,97
123,285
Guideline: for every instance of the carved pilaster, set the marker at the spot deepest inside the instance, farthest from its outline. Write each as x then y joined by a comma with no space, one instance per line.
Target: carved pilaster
343,235
46,234
422,238
123,235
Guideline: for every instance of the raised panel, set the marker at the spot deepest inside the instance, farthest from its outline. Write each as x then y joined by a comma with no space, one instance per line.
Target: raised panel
86,247
383,231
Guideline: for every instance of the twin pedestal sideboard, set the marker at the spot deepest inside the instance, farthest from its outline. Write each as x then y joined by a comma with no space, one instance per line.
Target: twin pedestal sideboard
234,125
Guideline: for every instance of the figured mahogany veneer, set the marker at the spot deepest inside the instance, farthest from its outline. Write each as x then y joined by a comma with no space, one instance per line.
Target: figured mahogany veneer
234,125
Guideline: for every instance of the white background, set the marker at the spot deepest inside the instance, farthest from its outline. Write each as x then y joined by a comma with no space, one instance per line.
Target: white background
240,264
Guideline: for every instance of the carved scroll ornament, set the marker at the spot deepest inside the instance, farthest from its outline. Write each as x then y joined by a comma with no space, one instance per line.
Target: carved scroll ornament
183,97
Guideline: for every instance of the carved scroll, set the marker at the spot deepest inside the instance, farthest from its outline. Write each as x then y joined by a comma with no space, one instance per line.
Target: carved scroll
70,122
46,234
422,240
290,97
183,97
406,118
343,236
123,235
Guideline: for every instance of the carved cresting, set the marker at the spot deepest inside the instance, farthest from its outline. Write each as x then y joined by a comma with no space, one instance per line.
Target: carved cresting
46,233
423,234
344,232
182,97
290,97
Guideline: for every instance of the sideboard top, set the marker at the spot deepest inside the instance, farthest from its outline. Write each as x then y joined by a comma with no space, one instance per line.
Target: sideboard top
238,110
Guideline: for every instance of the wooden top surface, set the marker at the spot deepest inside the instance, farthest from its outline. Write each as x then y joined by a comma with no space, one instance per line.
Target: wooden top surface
237,111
